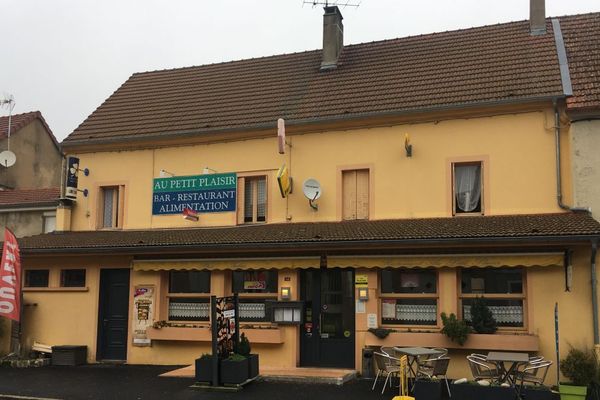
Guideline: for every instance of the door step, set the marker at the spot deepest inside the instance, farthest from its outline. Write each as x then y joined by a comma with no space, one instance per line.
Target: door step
332,376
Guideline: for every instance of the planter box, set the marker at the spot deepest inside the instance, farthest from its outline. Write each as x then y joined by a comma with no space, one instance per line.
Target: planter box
253,366
204,371
179,334
234,372
69,355
426,389
538,393
571,392
469,391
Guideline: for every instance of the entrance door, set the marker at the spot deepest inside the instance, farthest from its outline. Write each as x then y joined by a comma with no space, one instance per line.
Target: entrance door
113,314
327,336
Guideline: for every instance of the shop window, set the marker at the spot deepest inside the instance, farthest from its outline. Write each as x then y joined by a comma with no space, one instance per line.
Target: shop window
255,288
36,277
409,296
189,295
72,278
467,195
49,221
355,194
253,199
503,289
111,207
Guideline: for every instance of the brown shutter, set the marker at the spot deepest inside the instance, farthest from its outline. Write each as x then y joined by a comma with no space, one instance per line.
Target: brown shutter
362,194
349,195
240,200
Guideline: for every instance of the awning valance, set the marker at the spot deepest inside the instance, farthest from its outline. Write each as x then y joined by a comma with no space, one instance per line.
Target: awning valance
450,260
227,264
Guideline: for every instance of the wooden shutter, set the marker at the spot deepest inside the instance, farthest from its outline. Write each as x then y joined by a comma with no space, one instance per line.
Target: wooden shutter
362,194
240,200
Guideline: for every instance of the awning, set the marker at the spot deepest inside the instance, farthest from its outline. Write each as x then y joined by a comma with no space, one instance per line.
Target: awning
450,260
227,264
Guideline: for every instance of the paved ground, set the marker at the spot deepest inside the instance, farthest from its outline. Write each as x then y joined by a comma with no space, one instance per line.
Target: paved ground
95,382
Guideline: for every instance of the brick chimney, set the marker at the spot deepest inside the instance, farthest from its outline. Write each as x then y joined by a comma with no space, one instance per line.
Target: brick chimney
537,17
333,37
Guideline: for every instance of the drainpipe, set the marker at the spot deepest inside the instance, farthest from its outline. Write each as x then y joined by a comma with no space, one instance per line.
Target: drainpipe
595,297
558,177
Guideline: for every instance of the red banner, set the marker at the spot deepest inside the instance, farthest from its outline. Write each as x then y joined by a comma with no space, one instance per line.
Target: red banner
10,278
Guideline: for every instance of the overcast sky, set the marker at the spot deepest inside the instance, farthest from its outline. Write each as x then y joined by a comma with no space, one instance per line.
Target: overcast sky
65,57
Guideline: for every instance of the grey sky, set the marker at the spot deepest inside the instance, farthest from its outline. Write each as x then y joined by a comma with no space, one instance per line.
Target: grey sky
65,57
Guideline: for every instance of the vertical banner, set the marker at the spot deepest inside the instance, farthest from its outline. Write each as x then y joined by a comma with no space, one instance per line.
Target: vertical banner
143,311
71,178
10,278
226,326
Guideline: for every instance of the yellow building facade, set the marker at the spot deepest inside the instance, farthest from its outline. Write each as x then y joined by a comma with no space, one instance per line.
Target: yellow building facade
133,284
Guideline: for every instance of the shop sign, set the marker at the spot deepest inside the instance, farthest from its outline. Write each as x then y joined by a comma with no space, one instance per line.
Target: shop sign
255,285
71,178
371,320
143,306
200,193
361,279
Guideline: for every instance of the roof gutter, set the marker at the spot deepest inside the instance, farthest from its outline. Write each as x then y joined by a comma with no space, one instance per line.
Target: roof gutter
14,208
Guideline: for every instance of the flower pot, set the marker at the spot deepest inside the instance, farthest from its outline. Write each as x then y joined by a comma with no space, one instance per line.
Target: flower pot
426,389
204,369
474,391
572,392
252,366
234,372
538,393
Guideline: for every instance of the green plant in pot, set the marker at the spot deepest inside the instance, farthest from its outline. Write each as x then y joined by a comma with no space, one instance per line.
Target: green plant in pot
482,319
234,369
581,368
455,329
245,349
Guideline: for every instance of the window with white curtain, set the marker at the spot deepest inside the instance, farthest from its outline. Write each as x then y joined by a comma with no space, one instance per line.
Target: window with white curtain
467,188
255,199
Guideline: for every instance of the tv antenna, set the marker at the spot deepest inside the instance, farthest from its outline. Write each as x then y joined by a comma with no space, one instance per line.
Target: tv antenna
327,3
7,157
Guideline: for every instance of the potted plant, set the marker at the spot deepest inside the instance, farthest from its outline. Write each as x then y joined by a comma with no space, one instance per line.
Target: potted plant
204,369
245,349
430,389
482,319
234,369
581,368
455,329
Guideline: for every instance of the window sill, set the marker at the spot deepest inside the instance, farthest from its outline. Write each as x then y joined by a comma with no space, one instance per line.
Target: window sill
56,289
267,336
475,341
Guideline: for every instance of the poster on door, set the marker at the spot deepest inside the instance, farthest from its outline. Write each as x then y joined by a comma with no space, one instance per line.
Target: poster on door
143,313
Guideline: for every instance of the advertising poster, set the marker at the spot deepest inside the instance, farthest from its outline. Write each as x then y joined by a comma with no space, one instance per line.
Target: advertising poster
226,333
143,312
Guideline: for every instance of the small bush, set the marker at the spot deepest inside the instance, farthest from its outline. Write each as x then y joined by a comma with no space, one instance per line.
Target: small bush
455,329
244,347
580,367
482,319
236,357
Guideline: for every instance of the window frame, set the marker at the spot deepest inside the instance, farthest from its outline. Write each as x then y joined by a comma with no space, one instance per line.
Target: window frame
243,180
185,295
407,296
25,278
254,297
48,216
356,194
62,278
482,196
498,296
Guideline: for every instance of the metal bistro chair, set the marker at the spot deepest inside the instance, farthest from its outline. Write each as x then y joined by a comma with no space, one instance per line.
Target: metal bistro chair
482,369
439,369
534,372
388,351
387,365
426,365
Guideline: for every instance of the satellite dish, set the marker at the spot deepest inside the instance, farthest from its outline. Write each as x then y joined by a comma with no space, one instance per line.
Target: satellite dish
8,158
311,189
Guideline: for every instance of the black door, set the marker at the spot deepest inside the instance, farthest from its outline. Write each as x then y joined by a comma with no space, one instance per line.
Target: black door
112,316
327,336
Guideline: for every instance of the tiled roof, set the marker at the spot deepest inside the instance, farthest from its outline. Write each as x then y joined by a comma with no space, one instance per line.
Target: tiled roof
292,234
28,197
581,34
19,121
497,63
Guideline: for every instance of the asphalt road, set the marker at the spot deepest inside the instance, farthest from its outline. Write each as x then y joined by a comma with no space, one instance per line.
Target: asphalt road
107,382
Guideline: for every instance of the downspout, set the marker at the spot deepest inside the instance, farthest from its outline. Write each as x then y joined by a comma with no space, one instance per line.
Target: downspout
595,296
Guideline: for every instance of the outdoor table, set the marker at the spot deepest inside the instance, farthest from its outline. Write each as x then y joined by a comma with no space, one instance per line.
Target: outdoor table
413,354
503,357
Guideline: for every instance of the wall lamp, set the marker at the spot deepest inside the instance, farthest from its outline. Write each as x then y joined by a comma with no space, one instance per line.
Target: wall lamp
164,173
286,293
207,171
363,293
407,145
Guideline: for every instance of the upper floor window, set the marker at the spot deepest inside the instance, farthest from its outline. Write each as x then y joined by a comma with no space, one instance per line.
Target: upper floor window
467,188
254,199
110,207
355,194
49,221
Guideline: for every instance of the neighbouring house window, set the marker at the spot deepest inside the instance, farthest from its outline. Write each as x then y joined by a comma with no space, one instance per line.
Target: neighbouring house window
409,296
467,188
110,207
355,194
49,222
72,278
255,288
189,295
36,277
254,200
503,289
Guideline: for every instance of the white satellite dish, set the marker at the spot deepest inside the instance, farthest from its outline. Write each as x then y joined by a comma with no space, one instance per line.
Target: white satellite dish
312,191
8,158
